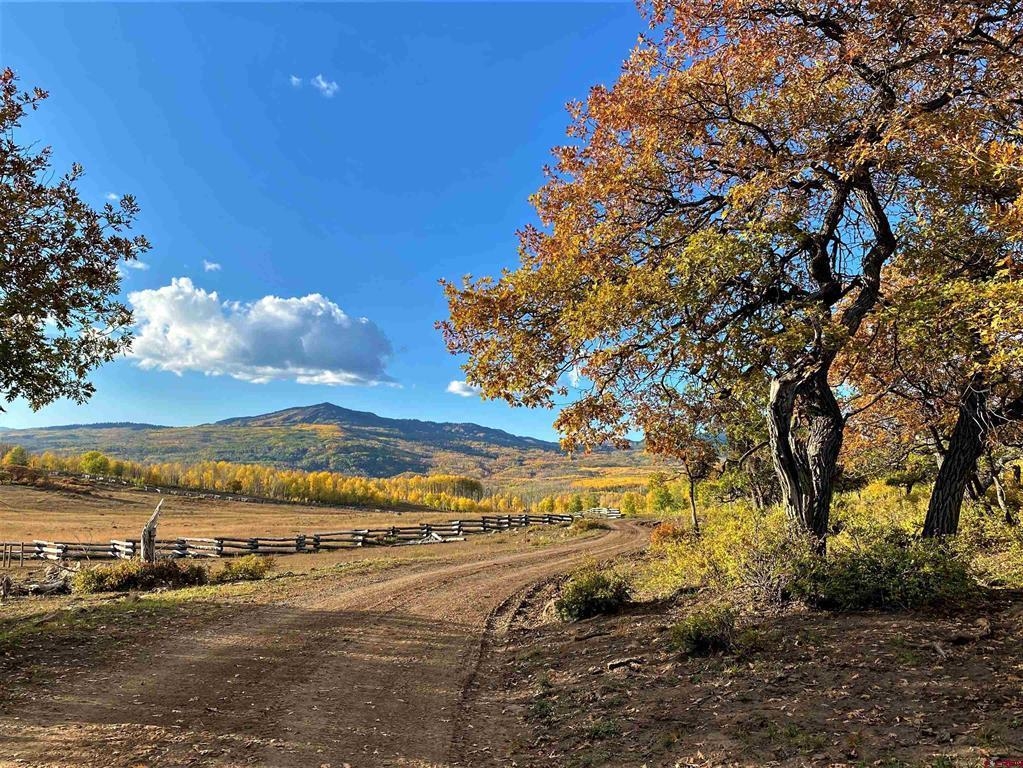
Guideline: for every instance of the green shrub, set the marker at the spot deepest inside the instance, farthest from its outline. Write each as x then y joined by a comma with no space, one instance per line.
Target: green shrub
247,568
128,575
592,592
707,631
583,524
893,571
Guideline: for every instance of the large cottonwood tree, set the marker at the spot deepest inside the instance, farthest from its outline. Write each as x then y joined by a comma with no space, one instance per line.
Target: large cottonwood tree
726,211
59,269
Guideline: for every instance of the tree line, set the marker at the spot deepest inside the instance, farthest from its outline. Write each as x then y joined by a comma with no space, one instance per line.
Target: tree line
454,493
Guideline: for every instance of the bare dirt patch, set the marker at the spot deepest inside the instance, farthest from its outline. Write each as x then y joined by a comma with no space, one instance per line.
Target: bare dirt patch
811,689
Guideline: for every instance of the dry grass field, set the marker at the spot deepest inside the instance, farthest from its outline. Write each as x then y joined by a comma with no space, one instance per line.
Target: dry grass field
77,512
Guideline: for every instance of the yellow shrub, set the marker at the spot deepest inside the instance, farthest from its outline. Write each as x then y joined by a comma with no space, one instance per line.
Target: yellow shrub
730,537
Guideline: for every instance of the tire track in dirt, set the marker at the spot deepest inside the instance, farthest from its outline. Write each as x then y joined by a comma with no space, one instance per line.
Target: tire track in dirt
380,673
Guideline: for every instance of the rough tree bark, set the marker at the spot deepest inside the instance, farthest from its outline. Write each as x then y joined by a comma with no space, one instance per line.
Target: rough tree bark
965,447
806,461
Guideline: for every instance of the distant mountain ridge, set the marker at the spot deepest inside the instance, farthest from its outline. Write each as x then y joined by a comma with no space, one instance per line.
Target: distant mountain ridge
323,436
328,413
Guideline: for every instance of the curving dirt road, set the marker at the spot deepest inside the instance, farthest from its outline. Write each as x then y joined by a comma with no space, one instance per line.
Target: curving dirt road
376,673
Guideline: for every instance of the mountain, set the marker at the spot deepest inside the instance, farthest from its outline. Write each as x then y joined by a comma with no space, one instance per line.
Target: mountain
439,434
328,437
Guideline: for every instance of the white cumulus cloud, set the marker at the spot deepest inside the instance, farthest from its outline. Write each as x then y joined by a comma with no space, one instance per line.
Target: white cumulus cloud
210,266
136,264
309,339
463,389
327,87
113,196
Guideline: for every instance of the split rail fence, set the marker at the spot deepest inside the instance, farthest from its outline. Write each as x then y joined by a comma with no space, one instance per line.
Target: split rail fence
229,546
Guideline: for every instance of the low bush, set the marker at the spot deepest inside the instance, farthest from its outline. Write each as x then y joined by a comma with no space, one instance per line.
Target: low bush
894,570
706,631
129,575
583,524
997,549
592,592
670,532
742,549
246,568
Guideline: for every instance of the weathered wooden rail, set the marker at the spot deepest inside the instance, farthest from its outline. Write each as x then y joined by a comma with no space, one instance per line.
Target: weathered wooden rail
229,546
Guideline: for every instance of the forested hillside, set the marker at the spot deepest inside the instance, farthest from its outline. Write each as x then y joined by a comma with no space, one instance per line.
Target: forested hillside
327,437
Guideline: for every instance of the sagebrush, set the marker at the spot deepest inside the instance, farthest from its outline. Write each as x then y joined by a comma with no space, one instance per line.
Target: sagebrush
247,568
592,592
705,631
135,575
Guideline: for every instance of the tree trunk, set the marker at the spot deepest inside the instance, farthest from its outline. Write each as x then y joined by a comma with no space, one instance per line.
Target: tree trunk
781,412
806,464
692,505
823,445
965,447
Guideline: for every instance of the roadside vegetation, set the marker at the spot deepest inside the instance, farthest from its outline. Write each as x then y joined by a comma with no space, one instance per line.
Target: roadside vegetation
592,591
137,576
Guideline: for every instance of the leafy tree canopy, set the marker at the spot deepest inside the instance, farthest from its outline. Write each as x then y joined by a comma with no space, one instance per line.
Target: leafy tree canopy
722,221
59,269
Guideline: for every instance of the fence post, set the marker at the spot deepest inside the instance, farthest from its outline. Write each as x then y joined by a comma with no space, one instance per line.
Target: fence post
149,536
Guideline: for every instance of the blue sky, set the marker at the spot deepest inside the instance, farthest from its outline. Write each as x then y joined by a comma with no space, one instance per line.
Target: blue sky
355,151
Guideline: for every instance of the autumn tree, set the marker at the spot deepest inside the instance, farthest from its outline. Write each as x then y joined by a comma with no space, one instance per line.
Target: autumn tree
691,438
59,269
726,210
94,463
941,365
698,461
16,457
659,498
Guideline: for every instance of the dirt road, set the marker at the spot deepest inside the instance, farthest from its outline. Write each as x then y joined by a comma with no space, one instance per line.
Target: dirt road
379,672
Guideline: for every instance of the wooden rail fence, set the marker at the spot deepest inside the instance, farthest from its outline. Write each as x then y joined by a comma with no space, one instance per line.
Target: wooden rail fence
229,546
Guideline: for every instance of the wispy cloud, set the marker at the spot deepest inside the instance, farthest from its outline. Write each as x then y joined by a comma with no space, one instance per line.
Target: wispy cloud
327,87
136,264
113,196
295,81
463,389
308,339
210,266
